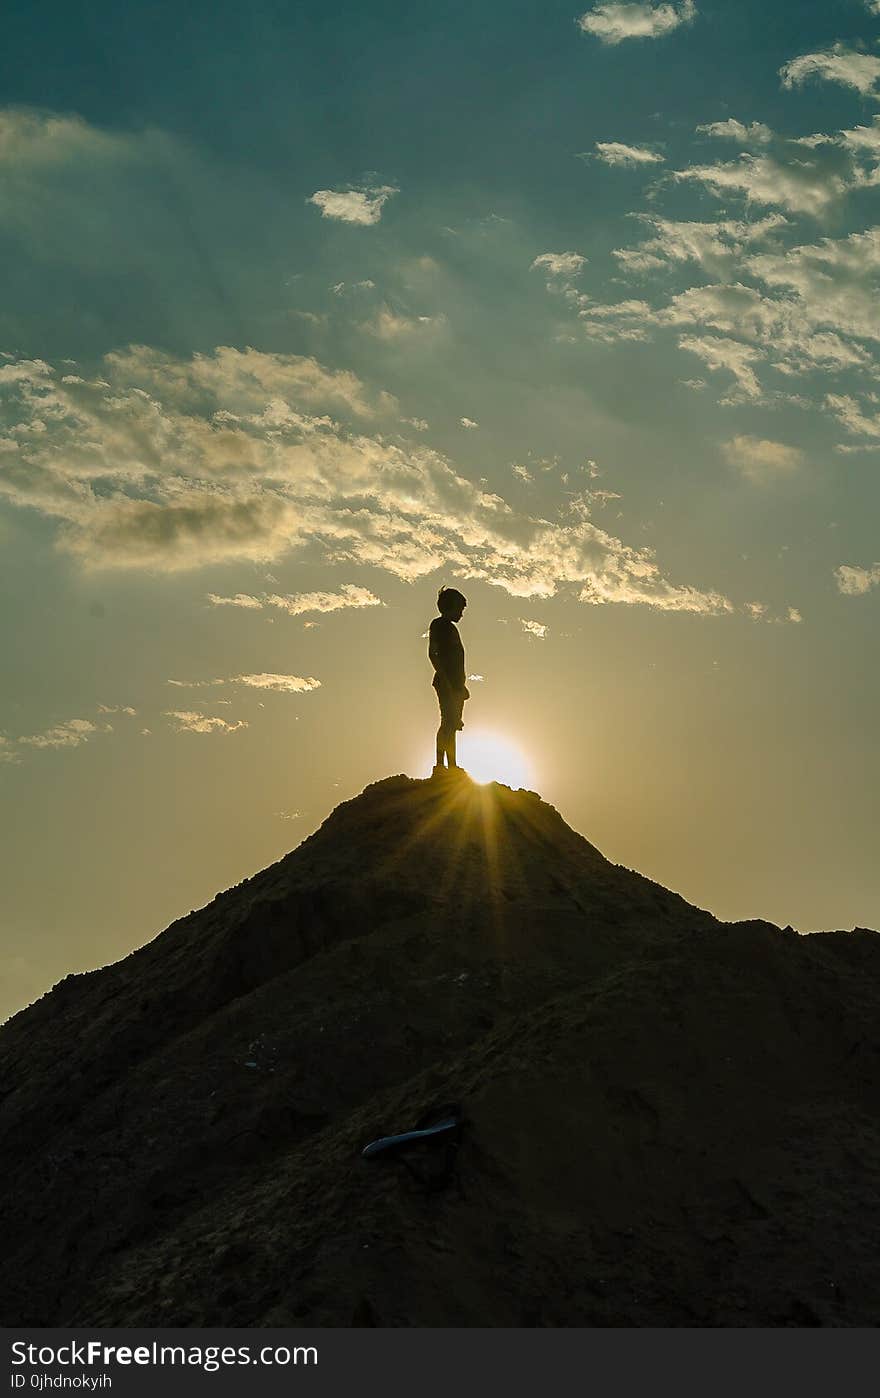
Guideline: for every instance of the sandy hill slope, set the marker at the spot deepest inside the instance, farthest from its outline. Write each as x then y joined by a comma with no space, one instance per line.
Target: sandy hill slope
668,1120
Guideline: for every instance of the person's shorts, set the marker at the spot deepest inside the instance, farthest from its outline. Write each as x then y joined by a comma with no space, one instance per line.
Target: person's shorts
451,707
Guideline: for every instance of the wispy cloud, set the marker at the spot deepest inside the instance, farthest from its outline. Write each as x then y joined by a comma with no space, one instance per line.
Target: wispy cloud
802,183
392,326
33,137
796,310
282,684
613,22
718,352
241,599
837,64
193,684
762,460
188,721
7,751
359,206
298,603
747,134
853,581
92,197
853,418
560,264
713,246
164,463
616,153
69,734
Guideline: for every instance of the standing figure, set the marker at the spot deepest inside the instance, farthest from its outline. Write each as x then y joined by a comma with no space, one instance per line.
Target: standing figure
446,653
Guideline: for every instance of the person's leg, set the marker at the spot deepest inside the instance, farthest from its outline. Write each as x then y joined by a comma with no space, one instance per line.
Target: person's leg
446,740
453,718
450,722
450,748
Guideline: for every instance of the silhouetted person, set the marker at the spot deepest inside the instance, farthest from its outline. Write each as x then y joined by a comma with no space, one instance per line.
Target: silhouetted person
446,653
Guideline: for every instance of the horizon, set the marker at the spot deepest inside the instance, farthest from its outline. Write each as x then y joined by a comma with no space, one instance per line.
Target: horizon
308,314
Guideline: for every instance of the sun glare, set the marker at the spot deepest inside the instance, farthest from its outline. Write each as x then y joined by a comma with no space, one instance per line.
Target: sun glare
490,757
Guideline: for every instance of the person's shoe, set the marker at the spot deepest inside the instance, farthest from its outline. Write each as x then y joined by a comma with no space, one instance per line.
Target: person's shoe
439,770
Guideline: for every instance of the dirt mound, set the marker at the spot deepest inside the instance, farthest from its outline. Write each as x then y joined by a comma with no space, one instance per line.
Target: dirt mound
668,1120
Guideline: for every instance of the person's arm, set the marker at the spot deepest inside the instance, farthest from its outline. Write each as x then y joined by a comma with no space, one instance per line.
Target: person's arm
434,648
447,655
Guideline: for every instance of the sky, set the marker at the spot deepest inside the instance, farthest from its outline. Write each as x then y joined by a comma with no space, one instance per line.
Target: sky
309,309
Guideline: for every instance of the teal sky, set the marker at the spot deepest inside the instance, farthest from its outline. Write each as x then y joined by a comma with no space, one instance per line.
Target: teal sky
308,309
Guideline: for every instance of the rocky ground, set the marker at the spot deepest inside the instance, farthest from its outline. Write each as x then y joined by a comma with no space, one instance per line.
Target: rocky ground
668,1120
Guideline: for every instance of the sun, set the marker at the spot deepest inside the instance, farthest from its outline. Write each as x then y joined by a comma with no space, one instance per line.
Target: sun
490,757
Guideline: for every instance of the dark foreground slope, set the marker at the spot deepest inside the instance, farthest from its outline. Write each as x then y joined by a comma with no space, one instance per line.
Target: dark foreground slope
670,1120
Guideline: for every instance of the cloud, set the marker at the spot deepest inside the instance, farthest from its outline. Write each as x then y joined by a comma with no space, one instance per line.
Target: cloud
761,460
560,264
755,133
730,307
613,22
582,503
799,309
117,709
346,288
619,320
69,734
838,64
296,604
391,326
714,246
851,416
616,153
803,185
731,355
859,139
534,628
161,463
833,282
193,684
806,174
95,199
282,684
854,582
188,721
468,423
359,206
285,684
30,137
232,385
776,312
241,599
8,753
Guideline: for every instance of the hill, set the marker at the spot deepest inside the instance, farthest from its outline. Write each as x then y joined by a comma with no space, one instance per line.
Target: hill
669,1120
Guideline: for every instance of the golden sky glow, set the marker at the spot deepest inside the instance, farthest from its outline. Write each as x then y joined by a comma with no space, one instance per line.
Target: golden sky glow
273,370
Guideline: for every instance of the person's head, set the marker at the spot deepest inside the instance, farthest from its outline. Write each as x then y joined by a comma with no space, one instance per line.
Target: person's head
451,603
